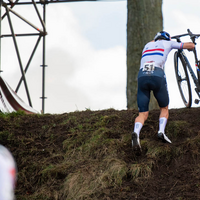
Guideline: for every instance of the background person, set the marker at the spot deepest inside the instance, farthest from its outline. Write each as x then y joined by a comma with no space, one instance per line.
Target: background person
151,77
8,170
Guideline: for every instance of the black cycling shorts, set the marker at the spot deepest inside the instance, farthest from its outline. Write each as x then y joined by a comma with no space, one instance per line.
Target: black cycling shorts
152,81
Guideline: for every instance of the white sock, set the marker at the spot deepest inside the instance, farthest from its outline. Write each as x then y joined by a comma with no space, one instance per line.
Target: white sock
162,124
137,127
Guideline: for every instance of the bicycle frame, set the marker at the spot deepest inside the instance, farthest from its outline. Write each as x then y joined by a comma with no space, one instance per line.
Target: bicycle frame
194,77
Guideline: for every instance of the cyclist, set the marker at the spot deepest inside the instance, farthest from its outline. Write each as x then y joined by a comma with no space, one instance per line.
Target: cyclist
151,77
7,174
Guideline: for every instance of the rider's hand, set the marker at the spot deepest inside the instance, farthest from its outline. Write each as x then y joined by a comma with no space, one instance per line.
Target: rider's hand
188,45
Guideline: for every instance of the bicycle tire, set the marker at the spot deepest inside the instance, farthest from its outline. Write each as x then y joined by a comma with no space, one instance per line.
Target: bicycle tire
182,79
198,75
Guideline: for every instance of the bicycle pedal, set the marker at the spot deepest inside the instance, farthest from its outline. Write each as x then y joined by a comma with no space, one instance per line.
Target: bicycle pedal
196,101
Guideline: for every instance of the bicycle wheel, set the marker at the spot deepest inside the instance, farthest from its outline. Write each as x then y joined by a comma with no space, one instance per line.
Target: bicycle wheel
182,79
198,75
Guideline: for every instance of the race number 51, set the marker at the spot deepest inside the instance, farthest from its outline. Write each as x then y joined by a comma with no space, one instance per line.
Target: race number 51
148,66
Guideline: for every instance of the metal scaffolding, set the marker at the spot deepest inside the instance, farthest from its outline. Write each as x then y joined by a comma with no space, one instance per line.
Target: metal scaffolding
41,34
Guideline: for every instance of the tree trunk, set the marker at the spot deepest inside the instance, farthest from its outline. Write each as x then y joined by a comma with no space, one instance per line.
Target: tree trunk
144,21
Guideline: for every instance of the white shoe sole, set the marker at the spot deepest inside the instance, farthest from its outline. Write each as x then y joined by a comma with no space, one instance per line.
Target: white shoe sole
164,138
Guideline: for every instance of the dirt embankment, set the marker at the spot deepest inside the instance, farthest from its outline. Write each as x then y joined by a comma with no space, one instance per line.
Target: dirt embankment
88,155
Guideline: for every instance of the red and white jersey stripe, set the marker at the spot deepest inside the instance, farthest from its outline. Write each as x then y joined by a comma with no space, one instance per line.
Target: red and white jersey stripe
158,51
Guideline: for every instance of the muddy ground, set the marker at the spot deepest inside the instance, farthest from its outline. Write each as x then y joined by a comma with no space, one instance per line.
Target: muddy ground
51,149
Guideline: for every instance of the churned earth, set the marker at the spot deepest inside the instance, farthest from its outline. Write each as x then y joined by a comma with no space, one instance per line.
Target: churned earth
88,155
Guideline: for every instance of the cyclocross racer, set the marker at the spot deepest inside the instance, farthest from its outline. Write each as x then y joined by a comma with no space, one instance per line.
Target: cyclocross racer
151,77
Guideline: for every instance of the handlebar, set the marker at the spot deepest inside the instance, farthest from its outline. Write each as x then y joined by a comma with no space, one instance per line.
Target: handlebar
192,36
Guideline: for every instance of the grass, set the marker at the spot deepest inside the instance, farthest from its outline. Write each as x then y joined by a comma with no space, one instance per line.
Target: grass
88,155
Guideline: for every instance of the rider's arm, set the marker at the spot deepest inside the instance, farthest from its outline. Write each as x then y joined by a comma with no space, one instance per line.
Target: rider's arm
188,45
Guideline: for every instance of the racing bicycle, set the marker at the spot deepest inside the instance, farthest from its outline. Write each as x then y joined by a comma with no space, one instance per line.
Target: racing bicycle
182,66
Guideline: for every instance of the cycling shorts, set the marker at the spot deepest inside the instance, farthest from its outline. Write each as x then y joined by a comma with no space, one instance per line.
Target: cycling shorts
152,81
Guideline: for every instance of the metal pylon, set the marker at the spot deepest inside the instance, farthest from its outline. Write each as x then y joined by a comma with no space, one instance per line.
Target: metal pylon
41,34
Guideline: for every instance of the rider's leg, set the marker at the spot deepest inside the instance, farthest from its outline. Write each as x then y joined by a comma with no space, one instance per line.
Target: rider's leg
164,114
139,121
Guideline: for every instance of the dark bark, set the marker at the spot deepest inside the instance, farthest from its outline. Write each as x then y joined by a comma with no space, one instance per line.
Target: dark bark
144,21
